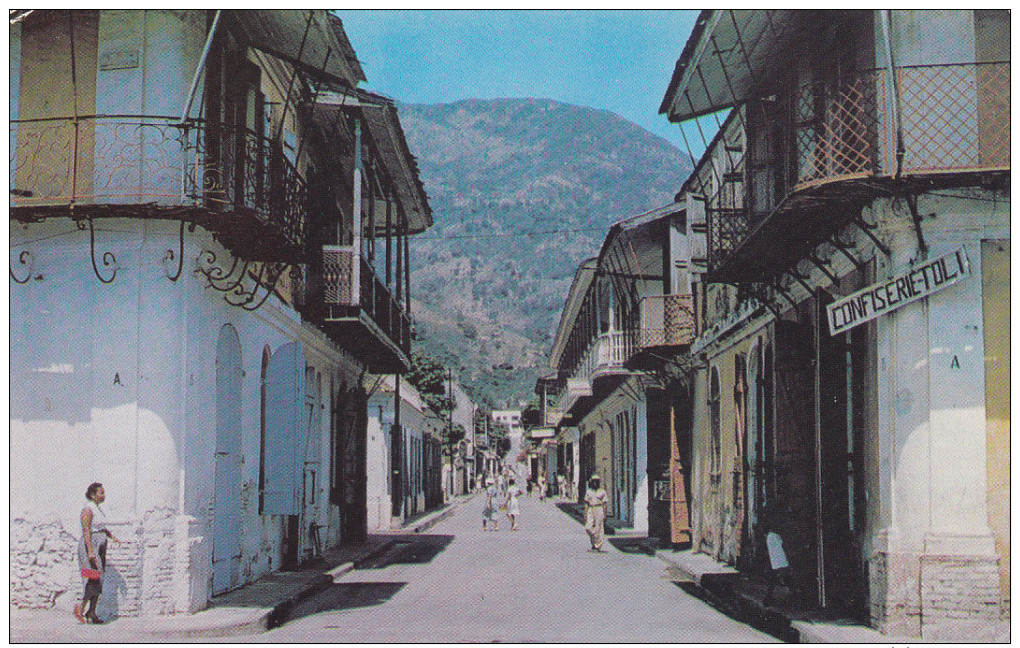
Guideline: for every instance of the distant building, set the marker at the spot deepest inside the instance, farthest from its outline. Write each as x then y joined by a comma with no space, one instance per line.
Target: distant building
511,419
627,315
412,443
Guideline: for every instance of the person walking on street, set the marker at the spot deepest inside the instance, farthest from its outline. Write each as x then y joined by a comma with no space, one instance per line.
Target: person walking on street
595,500
491,506
541,487
92,552
513,505
560,485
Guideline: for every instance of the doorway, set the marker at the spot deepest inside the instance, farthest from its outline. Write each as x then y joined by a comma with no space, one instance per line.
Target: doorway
226,558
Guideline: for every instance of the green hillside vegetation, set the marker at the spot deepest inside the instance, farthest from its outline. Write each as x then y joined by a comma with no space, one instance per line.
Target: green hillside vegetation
522,191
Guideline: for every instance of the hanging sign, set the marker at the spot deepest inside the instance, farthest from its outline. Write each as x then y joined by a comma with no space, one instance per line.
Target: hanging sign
881,298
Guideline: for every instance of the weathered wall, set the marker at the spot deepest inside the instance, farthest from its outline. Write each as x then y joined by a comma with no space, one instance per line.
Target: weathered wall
995,287
116,383
934,563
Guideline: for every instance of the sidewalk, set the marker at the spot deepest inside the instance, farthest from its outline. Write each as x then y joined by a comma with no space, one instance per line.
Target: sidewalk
741,596
249,609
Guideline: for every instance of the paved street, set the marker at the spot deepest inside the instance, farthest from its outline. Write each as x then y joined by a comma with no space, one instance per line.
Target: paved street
457,583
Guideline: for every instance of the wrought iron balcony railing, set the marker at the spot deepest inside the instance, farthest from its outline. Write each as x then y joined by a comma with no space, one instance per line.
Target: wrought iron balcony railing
127,162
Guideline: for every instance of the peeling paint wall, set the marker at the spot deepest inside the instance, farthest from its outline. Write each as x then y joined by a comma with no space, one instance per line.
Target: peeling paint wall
116,383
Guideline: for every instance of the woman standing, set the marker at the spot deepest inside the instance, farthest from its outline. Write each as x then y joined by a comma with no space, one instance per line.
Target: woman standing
491,505
513,506
92,552
595,500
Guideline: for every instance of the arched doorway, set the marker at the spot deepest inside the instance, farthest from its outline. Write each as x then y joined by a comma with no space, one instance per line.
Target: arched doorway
226,559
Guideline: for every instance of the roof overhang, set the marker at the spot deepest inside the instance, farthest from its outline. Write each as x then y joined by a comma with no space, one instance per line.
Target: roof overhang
634,247
578,289
312,40
384,128
728,55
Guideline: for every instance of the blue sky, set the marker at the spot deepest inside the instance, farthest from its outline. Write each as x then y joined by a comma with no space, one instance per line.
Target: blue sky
617,60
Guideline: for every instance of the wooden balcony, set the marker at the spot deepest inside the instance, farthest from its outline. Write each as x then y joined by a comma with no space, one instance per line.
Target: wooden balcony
353,306
667,326
842,148
231,181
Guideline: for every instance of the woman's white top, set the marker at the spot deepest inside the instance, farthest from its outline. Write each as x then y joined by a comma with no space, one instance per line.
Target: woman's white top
98,517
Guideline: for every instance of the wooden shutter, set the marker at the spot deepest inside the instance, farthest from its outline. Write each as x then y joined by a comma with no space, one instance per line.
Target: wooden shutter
285,399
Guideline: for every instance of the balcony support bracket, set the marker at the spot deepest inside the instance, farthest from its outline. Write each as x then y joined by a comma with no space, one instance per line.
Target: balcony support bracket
916,217
761,294
844,249
25,259
867,228
778,287
799,278
170,255
109,260
813,258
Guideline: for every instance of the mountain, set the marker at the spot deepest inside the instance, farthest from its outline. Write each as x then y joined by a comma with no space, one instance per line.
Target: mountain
522,191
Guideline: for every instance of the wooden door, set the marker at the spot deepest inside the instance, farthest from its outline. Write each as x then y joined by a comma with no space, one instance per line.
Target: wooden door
226,558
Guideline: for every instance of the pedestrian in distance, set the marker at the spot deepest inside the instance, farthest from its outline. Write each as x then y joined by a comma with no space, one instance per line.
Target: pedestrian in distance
541,487
595,500
491,506
92,553
561,485
531,486
513,505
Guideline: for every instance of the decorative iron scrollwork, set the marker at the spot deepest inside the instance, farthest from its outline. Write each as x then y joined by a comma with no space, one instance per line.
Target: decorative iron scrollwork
231,282
170,255
25,259
109,260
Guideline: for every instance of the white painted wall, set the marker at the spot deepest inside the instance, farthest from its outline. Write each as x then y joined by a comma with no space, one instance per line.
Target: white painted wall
116,383
380,419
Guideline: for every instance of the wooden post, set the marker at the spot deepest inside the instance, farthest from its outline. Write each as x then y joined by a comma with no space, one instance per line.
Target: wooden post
356,217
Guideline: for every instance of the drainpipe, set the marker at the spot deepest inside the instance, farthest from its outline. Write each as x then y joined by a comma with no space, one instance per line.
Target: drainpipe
201,66
900,149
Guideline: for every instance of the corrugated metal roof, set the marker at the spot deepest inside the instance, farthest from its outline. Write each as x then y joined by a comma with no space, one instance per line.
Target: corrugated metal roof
307,38
380,115
726,55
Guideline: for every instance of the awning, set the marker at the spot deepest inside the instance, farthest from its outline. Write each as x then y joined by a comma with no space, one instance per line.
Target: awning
310,39
726,55
386,132
578,289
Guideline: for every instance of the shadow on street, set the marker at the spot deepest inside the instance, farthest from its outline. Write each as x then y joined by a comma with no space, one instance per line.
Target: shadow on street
408,550
344,596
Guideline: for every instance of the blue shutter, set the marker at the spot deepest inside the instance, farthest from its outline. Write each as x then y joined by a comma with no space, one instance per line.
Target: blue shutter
285,398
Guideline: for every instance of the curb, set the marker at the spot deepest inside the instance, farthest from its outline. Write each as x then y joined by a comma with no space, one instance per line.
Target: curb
709,586
221,622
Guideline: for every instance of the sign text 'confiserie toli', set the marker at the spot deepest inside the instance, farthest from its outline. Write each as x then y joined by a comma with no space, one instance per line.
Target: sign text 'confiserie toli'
881,298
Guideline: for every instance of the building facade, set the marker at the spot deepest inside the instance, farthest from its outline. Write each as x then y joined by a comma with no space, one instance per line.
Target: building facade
409,441
627,319
199,204
851,392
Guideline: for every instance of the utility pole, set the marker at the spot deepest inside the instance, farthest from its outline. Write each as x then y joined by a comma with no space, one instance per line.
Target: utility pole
449,429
